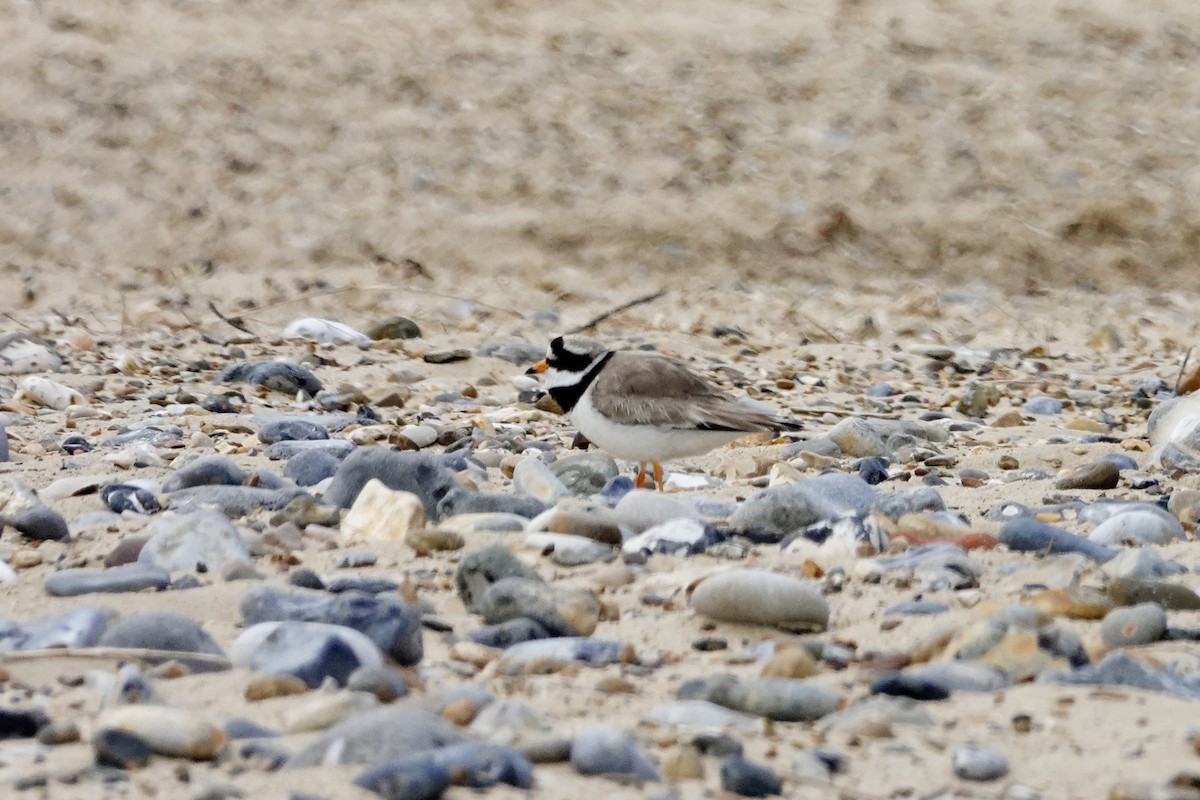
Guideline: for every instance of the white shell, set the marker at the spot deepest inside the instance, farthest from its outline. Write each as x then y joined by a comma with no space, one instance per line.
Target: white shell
46,393
324,331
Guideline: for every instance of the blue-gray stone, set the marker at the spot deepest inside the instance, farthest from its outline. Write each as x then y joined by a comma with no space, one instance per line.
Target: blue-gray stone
585,473
918,500
1026,534
960,676
3,444
616,488
1131,626
481,765
423,474
206,471
873,470
126,578
413,777
507,634
383,681
605,750
780,699
279,376
160,630
233,501
747,779
974,762
900,684
120,497
338,448
22,723
80,627
1042,406
519,353
375,736
310,467
880,389
291,430
1122,460
393,625
679,537
596,652
242,728
40,523
187,542
938,566
468,501
775,512
510,598
153,435
917,608
1119,668
367,584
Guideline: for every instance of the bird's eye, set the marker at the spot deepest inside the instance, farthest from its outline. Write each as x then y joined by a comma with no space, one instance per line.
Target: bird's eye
556,344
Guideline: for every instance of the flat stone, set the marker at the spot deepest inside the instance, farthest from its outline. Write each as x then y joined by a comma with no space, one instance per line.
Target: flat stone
324,331
679,537
206,471
533,478
127,578
1024,534
974,762
285,450
780,699
160,630
190,542
174,732
394,328
123,497
592,522
291,430
463,501
80,627
747,779
857,439
775,512
232,501
1137,527
570,551
761,597
641,509
310,467
1171,596
585,473
507,634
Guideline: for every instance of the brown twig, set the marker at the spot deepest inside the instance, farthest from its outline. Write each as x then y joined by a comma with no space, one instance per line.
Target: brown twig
129,653
1182,367
235,322
638,301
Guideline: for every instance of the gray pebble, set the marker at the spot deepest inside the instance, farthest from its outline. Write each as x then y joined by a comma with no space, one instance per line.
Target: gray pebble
1025,534
781,699
40,523
1102,474
761,597
160,630
375,736
280,376
1137,527
605,750
312,651
394,328
747,779
128,578
1042,406
291,430
385,683
80,627
206,471
1129,626
560,610
310,467
423,474
232,501
774,513
479,570
974,762
467,501
338,448
585,473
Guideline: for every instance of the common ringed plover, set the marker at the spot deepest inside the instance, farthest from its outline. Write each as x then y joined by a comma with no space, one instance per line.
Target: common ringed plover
645,407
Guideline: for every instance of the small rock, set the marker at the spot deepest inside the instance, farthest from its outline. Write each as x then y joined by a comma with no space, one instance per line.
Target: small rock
59,732
446,356
480,569
167,731
123,497
857,439
462,502
322,710
641,509
160,630
562,611
760,597
1102,474
205,471
776,512
507,634
1043,406
46,393
747,779
1024,534
21,723
271,686
384,682
311,651
1171,596
780,699
1134,625
380,514
421,474
974,762
310,467
128,578
291,430
1137,527
119,749
40,524
533,478
324,331
126,551
21,353
585,473
376,736
197,541
605,750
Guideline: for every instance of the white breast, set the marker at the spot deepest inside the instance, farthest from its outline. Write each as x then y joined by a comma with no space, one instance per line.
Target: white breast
642,442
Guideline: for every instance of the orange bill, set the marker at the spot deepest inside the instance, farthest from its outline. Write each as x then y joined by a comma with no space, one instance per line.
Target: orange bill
540,366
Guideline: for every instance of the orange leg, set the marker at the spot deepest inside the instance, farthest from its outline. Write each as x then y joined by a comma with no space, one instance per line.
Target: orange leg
658,475
640,480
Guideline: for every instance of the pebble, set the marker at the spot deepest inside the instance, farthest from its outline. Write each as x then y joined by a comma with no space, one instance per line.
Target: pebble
321,710
384,682
701,714
380,514
310,467
857,439
120,749
21,723
679,537
126,578
974,762
570,551
1130,626
195,541
561,611
748,779
422,474
279,376
80,627
390,623
160,630
123,497
595,652
588,521
780,699
466,502
324,331
761,597
167,731
286,450
605,750
22,353
1171,596
533,478
1102,474
1043,406
1139,528
507,634
311,651
46,393
40,524
1024,534
205,471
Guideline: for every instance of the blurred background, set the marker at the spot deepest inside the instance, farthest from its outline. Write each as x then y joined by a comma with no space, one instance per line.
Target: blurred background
167,152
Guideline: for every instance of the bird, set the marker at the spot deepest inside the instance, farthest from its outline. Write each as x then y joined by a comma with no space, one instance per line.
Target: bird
645,407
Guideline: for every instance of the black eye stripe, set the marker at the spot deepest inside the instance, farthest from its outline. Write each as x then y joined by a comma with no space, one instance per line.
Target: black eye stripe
570,362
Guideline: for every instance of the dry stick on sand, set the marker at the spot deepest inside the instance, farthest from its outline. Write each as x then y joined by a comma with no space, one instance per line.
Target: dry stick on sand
236,322
1182,369
594,321
128,653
